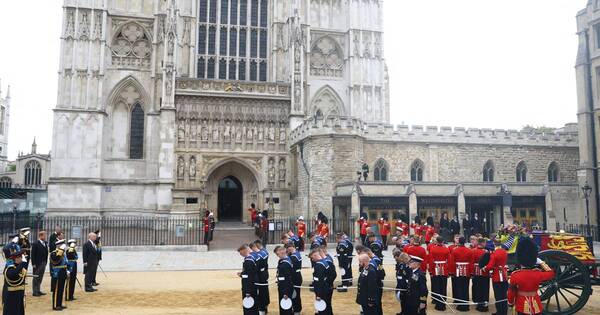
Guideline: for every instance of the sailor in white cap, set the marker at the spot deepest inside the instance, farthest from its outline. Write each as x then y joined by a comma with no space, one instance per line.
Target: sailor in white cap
72,269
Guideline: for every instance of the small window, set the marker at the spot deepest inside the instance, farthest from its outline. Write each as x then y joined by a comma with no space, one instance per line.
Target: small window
253,70
263,71
201,67
233,12
190,201
253,43
263,44
242,70
243,12
380,171
223,41
597,33
488,172
243,42
213,11
5,182
210,68
224,11
232,69
264,5
222,69
416,171
203,10
136,134
211,40
33,173
254,13
553,172
521,172
202,39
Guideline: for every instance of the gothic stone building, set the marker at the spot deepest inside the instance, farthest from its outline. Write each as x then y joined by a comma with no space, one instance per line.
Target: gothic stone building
169,106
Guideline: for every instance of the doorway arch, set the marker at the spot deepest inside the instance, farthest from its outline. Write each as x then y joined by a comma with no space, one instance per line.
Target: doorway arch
230,199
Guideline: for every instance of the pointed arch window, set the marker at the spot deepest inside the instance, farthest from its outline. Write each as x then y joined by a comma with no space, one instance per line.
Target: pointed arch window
136,133
553,172
488,172
5,182
380,171
416,171
521,172
33,173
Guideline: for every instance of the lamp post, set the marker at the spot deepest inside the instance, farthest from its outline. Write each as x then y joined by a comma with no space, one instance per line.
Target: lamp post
587,191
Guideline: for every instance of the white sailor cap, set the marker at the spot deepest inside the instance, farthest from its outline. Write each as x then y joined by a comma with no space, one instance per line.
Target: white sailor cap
72,241
301,218
25,231
416,258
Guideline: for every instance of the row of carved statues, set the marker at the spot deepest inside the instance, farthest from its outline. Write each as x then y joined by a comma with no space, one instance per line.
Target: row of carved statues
231,133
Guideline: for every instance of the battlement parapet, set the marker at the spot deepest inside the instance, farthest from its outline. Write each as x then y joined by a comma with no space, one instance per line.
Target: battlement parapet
431,134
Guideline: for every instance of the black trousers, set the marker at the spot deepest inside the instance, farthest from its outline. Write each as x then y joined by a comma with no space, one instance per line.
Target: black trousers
363,239
384,240
206,237
70,290
90,274
13,303
59,291
480,290
327,298
263,298
281,310
439,285
297,302
301,244
403,303
346,265
500,290
461,292
39,272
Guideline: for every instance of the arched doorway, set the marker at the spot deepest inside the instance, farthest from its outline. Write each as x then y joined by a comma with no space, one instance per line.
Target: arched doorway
230,198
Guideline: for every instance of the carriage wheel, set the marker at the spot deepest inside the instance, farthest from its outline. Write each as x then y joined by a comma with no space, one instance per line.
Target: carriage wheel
570,289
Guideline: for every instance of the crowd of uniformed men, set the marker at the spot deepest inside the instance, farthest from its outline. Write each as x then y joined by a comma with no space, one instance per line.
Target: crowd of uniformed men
468,263
62,256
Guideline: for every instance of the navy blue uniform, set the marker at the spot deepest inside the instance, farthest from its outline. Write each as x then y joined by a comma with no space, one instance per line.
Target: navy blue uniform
377,248
285,283
369,293
321,284
344,251
416,294
249,276
13,291
58,270
403,274
296,259
72,268
263,280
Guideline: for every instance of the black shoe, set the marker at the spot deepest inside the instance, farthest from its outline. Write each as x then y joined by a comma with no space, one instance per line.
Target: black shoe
95,284
90,290
57,309
36,294
41,293
63,307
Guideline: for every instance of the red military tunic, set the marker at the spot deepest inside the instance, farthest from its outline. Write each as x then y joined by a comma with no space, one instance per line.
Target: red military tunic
363,224
429,231
301,227
324,231
497,265
416,228
206,224
477,253
523,290
385,228
419,251
460,261
438,260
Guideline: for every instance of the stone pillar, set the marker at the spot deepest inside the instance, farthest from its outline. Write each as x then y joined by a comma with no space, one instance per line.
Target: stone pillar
412,205
461,204
550,216
508,217
355,209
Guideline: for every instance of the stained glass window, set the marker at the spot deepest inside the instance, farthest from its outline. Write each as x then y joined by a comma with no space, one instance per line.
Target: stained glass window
136,134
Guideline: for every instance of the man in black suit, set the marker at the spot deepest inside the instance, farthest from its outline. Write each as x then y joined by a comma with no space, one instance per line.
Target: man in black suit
90,262
39,260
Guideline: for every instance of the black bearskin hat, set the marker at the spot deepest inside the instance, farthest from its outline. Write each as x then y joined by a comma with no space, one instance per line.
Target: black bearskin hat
527,252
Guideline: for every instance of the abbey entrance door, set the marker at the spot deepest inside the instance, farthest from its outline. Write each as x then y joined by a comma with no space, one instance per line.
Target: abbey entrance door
230,199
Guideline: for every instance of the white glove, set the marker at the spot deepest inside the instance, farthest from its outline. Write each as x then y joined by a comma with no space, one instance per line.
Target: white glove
24,259
538,261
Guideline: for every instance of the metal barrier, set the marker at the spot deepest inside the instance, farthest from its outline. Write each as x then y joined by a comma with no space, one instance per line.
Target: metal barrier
116,231
581,229
282,225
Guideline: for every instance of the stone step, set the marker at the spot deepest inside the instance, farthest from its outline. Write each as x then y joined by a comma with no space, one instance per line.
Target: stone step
230,237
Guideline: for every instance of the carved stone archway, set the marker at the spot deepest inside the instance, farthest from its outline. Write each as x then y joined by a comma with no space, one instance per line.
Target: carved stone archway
233,168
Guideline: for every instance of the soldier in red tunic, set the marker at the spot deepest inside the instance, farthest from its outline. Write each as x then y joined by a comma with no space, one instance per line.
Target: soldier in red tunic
384,229
363,224
415,249
525,282
438,270
402,227
481,280
497,266
301,231
460,268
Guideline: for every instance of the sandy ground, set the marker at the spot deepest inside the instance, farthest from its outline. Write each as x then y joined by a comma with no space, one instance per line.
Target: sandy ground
196,292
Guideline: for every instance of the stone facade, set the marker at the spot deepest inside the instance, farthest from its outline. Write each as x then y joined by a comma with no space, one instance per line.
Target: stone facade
4,124
170,107
31,171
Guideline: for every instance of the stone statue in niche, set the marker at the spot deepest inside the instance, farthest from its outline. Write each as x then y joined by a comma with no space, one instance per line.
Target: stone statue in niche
192,167
282,170
215,138
204,134
271,171
181,132
238,134
193,133
227,132
180,167
271,134
282,135
261,136
249,134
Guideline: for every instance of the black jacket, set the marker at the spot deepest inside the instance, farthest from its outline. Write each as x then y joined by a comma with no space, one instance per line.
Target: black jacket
321,283
454,227
90,254
285,284
248,276
368,288
39,253
51,242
